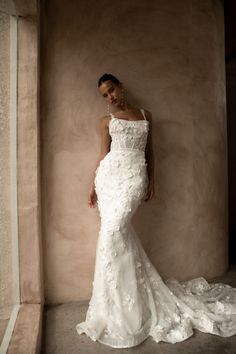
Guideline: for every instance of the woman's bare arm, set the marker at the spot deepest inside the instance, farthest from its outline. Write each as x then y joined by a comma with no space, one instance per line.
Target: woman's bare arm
105,141
149,148
150,158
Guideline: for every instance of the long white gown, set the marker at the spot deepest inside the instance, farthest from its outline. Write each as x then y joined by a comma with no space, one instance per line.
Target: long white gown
130,301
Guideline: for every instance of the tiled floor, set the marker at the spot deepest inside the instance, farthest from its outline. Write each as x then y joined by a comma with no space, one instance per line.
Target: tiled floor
61,337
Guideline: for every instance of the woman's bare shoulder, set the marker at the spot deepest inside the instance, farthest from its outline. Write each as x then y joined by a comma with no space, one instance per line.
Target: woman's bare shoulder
104,121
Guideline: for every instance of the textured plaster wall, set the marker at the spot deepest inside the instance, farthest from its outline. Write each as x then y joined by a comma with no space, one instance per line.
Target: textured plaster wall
5,172
19,178
30,248
170,56
231,111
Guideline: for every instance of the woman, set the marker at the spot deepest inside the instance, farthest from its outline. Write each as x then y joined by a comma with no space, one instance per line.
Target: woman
130,301
113,91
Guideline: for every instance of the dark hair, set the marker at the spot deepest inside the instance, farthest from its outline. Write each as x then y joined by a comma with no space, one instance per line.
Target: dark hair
106,77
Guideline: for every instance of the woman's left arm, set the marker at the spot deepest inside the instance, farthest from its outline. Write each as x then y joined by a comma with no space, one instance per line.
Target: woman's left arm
149,154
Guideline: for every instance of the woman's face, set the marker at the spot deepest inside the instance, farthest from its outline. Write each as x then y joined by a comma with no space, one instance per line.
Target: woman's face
111,92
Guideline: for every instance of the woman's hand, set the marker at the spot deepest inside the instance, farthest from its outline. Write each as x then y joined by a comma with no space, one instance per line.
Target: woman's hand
92,197
150,191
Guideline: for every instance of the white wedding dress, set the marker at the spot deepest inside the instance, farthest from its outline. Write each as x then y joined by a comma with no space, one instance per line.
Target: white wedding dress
130,301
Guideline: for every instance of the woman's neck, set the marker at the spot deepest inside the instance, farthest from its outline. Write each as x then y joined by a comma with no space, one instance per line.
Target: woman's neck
125,107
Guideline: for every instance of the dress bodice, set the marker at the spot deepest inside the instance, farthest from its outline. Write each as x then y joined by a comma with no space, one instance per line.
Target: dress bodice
128,134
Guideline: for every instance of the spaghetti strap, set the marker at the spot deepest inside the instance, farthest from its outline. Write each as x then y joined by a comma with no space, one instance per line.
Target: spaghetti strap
142,110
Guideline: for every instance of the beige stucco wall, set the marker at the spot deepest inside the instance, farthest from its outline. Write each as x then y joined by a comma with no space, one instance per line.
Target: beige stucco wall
231,111
170,56
21,272
6,300
30,250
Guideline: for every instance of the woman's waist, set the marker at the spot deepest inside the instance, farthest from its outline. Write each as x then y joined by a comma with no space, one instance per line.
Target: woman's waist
125,157
121,162
124,151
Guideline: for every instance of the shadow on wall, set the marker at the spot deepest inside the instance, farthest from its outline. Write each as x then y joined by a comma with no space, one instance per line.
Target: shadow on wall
230,55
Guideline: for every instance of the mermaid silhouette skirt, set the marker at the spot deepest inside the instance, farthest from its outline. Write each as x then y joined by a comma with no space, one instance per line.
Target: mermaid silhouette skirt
130,301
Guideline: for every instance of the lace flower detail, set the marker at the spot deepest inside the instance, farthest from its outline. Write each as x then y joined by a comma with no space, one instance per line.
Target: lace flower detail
128,301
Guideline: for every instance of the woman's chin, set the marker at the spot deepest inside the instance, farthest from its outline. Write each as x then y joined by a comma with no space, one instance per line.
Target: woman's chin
116,103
